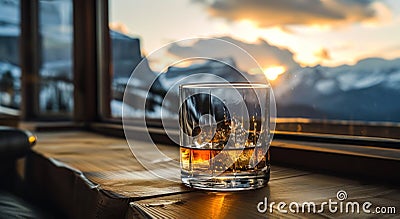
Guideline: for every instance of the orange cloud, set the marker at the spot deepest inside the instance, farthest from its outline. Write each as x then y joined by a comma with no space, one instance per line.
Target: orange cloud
267,13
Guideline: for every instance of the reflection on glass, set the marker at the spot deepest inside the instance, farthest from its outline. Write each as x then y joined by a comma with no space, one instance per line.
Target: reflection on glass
10,72
125,51
55,75
325,75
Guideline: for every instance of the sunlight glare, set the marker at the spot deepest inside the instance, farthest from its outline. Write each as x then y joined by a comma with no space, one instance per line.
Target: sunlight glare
246,30
273,72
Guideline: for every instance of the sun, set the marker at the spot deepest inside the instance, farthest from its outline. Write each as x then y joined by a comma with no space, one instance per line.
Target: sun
273,72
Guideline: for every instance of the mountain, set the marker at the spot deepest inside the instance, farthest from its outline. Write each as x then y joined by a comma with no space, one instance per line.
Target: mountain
164,91
368,91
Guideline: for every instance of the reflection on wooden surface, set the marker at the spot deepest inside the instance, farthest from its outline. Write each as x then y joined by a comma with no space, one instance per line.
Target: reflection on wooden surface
304,188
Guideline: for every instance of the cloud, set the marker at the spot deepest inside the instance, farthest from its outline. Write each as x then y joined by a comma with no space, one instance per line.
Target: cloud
268,13
264,53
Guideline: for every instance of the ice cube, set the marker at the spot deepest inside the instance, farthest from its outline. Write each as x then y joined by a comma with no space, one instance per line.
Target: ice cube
221,135
215,136
203,139
222,160
238,134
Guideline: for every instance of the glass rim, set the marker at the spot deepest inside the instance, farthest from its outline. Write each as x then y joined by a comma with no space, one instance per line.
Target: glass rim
225,85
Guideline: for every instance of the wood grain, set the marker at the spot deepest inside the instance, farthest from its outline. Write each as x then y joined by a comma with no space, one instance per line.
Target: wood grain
97,176
107,162
304,188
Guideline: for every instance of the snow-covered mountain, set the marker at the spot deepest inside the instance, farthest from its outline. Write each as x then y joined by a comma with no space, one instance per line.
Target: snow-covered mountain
368,90
164,90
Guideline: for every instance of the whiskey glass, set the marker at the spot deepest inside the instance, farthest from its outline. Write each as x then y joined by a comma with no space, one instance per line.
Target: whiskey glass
225,135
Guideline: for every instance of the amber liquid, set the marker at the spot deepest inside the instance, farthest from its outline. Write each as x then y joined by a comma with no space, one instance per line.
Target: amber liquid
214,162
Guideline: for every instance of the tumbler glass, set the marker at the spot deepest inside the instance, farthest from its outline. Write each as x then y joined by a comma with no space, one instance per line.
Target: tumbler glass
225,135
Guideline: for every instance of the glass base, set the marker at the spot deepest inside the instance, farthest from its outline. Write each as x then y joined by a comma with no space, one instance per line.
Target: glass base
227,182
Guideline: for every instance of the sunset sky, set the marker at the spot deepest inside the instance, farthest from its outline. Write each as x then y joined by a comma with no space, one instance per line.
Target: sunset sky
308,32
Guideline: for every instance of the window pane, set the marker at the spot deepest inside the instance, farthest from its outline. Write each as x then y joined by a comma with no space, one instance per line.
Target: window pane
324,70
55,75
125,55
10,72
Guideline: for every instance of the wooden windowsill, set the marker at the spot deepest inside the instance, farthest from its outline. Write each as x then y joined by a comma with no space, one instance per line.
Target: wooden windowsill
92,175
371,157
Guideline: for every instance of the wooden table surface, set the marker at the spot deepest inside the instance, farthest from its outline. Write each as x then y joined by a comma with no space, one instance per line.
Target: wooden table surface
120,186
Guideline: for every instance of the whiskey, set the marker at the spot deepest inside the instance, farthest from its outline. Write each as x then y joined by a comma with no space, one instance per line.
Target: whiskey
228,169
214,162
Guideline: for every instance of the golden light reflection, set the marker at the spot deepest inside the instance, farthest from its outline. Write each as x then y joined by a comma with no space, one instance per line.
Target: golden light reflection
273,72
217,204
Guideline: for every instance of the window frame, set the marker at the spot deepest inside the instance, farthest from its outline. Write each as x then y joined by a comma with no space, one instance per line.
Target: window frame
30,61
92,55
